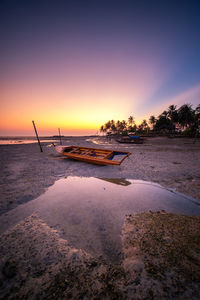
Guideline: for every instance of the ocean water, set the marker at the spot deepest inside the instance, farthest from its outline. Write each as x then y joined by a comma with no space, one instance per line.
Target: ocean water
14,140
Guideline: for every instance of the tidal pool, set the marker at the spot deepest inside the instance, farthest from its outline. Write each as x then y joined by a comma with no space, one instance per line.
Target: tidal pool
90,212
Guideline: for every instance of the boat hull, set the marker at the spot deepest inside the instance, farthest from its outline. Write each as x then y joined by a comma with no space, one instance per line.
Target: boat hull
92,155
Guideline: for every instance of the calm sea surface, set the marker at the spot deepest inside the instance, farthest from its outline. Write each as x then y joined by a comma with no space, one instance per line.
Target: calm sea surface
13,140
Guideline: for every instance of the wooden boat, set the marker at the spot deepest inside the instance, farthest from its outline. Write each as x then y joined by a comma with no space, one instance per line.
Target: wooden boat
93,155
130,140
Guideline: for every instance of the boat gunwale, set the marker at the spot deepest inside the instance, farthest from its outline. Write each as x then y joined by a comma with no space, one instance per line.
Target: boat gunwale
92,159
95,149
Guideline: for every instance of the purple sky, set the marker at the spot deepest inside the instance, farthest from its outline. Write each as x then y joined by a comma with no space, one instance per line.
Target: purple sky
76,64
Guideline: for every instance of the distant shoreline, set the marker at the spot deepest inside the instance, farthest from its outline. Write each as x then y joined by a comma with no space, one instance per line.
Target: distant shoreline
13,140
43,136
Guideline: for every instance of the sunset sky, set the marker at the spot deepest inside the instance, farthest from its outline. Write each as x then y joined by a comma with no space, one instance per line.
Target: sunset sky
76,64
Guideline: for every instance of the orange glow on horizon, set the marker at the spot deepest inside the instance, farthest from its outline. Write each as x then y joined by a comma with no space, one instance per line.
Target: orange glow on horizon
77,67
80,100
81,104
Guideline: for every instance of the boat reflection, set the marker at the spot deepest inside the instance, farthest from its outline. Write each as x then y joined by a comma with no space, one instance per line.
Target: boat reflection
90,212
119,181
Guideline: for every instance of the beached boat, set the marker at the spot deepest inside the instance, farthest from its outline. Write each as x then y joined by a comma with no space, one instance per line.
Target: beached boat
93,155
130,140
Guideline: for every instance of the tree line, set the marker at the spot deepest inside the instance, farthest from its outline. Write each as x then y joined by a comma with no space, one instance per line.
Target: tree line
183,120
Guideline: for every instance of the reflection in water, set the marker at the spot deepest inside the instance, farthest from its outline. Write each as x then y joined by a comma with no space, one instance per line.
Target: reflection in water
100,141
90,212
28,141
119,181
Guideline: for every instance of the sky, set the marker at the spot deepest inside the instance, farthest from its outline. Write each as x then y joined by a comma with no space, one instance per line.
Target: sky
76,64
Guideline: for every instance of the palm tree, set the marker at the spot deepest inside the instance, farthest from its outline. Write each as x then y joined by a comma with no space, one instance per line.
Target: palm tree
173,114
164,113
197,122
102,129
124,127
108,125
113,128
112,122
118,126
163,124
132,126
124,124
131,121
186,116
145,126
172,108
197,116
152,121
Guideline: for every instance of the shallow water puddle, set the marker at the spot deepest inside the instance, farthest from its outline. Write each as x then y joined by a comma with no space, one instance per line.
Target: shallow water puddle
89,212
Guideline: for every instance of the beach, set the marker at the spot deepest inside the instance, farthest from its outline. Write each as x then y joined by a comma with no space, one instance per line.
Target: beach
35,251
26,172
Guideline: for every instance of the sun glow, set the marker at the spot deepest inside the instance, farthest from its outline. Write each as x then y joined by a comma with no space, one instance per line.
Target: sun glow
70,111
75,68
86,117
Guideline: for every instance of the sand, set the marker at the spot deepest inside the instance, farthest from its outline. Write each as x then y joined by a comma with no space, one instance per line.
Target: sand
160,251
161,255
26,173
161,261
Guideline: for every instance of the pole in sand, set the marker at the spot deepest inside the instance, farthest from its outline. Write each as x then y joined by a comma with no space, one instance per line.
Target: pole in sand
37,136
60,136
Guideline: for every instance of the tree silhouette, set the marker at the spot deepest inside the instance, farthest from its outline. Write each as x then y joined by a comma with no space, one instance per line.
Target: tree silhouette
172,114
197,117
184,117
164,124
131,121
152,121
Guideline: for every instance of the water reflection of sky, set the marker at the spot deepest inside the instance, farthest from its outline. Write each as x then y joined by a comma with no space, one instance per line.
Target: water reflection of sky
23,141
90,212
100,141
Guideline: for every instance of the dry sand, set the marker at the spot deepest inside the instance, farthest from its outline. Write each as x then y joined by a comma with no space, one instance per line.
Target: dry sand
161,250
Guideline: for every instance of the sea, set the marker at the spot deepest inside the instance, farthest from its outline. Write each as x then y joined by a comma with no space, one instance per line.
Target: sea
14,140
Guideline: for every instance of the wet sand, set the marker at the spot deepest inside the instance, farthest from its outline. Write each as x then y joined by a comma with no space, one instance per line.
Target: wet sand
89,212
34,253
161,261
26,173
